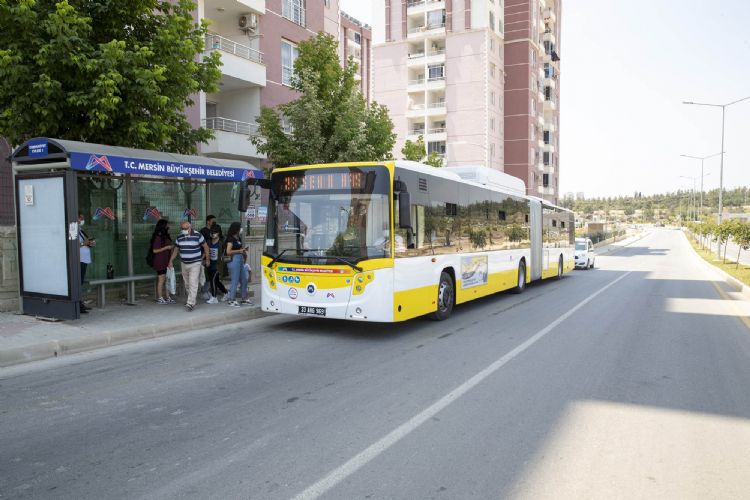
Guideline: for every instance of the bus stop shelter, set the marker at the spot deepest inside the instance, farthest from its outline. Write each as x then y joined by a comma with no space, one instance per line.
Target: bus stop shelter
122,193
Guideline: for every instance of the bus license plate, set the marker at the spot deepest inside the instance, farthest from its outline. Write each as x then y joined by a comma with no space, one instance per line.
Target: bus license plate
312,311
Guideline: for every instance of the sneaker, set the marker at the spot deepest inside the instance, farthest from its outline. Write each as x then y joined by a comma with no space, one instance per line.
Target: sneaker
212,300
169,300
161,300
189,307
247,302
233,303
223,298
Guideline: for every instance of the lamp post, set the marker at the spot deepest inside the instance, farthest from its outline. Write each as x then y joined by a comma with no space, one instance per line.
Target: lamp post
692,195
721,167
702,159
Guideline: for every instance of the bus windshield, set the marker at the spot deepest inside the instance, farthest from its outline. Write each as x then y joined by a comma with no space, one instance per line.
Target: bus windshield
329,215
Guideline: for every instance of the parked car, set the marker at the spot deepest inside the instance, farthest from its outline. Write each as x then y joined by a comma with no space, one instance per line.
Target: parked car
584,253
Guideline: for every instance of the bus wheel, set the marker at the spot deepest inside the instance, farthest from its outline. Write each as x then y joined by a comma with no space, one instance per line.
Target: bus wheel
446,297
560,268
521,284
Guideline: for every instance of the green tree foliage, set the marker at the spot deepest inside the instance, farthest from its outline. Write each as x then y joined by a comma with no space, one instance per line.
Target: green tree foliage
415,151
111,72
673,203
330,121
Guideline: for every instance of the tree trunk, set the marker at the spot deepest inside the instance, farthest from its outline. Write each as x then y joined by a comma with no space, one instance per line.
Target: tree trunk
739,249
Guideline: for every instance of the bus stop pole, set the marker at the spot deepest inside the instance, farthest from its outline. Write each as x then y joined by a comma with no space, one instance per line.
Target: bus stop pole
129,215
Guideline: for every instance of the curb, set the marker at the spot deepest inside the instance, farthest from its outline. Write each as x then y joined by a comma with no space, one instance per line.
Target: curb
620,247
108,338
730,280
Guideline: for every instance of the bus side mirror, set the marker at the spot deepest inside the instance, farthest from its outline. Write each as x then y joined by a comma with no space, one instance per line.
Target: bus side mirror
248,187
404,210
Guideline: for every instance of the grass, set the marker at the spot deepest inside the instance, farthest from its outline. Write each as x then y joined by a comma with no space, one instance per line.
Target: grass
741,273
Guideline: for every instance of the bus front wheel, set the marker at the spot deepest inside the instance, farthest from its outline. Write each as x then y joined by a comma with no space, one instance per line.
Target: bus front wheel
521,283
445,298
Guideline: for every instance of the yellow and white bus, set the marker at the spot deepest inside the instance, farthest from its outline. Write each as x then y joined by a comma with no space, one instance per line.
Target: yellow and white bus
396,240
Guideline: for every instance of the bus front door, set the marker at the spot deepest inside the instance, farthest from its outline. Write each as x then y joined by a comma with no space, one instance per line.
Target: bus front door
537,240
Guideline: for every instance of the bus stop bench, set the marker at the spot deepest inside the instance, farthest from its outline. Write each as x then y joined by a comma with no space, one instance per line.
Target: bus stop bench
130,280
101,285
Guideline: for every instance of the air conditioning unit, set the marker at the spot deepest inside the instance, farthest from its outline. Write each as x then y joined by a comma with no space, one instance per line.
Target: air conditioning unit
248,22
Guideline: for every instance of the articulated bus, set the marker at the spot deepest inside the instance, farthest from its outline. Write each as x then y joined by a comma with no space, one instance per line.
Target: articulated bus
395,240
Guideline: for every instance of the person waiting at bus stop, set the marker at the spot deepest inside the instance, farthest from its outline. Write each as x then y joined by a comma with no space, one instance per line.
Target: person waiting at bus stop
193,250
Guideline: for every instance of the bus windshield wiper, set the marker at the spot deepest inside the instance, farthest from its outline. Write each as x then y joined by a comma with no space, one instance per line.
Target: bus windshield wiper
270,264
340,259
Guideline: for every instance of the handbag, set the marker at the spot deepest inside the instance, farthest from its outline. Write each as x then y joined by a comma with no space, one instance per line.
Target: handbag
171,281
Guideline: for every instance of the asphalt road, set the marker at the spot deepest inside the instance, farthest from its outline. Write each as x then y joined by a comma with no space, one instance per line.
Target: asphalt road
627,381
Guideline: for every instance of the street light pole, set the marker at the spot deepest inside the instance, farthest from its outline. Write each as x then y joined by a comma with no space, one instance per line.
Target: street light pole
721,167
702,159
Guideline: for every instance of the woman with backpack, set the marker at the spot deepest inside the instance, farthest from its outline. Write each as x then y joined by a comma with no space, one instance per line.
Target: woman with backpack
212,273
161,247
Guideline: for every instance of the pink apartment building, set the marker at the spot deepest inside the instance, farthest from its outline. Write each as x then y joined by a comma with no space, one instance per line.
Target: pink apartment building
257,40
532,94
438,66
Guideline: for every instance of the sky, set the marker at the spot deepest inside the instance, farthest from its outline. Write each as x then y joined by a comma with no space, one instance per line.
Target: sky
625,69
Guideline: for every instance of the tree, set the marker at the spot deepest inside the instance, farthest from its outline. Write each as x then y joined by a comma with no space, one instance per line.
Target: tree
330,121
119,73
741,236
415,151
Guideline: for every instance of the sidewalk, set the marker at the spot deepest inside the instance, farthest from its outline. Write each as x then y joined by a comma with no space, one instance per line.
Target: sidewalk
25,338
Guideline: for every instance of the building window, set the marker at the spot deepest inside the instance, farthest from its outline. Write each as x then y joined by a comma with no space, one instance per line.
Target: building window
357,38
492,97
545,180
289,54
492,123
533,107
492,44
436,147
492,70
492,150
436,19
492,21
294,10
286,125
436,72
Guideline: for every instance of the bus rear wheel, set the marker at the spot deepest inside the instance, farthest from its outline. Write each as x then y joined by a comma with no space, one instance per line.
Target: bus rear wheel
445,298
521,283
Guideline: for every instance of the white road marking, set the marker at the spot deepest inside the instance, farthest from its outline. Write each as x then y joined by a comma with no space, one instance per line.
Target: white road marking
339,474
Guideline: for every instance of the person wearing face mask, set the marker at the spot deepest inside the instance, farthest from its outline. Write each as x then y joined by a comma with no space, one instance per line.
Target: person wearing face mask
212,272
161,245
85,244
193,249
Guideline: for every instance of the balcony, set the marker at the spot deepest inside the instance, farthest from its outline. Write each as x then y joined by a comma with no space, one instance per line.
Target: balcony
415,59
551,82
416,85
415,7
548,148
426,30
238,61
436,108
548,169
233,8
548,36
550,105
546,191
436,82
416,110
549,126
231,139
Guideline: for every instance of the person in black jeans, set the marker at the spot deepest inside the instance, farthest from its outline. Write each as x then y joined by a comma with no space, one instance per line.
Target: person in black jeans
212,272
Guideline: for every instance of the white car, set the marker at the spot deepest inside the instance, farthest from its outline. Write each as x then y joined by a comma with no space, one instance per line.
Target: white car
584,253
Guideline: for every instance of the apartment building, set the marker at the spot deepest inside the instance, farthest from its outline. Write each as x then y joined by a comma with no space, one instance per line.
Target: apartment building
258,41
438,66
355,42
532,94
